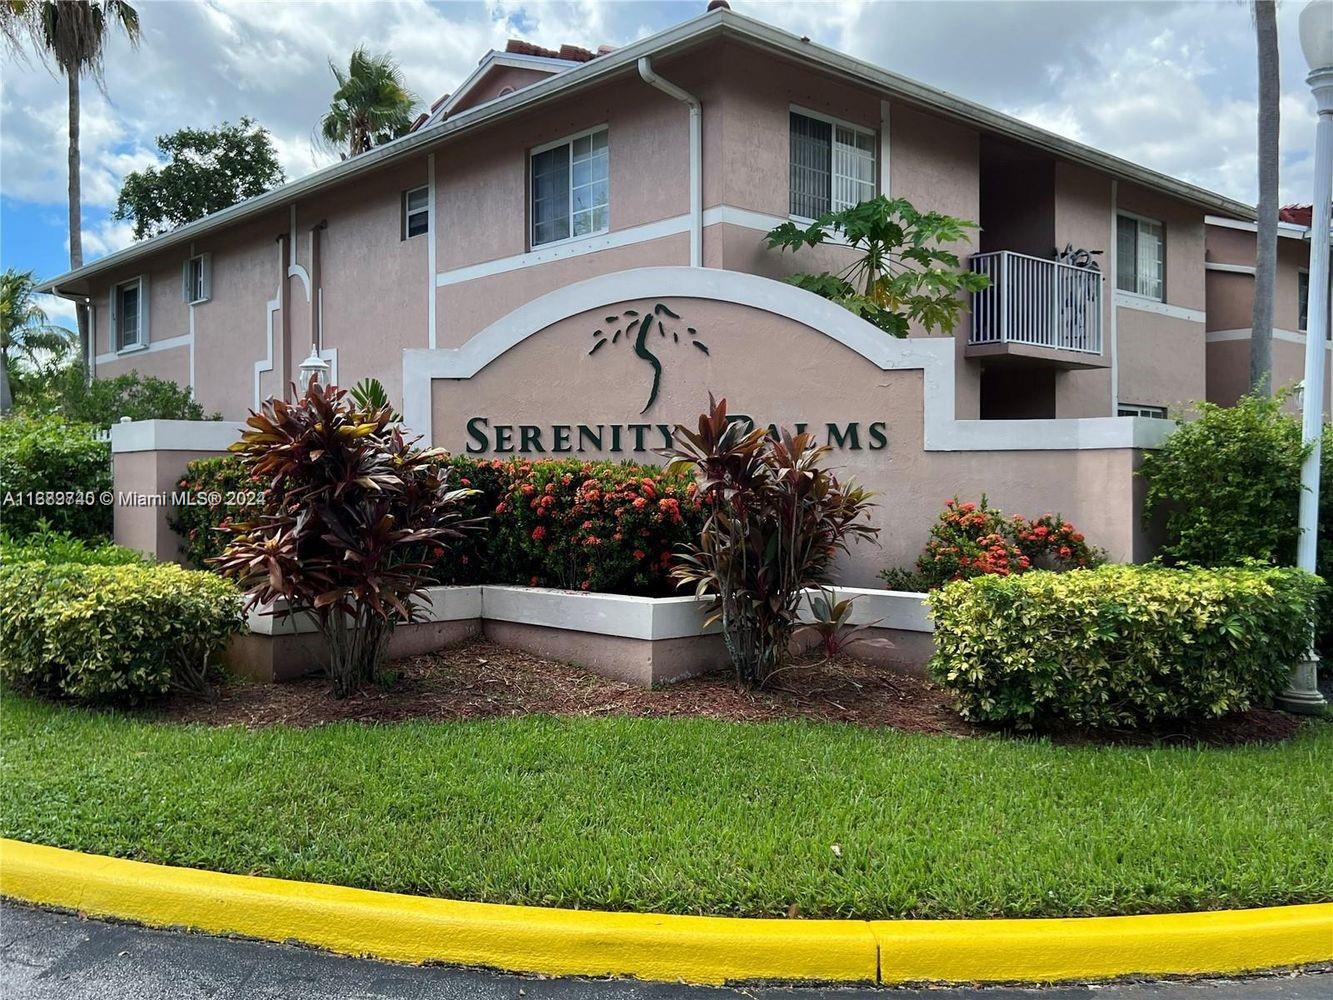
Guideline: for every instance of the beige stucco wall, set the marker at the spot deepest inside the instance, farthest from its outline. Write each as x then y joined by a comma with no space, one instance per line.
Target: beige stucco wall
144,527
750,362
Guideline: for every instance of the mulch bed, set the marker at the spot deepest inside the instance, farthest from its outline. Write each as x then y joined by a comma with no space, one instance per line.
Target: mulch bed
480,680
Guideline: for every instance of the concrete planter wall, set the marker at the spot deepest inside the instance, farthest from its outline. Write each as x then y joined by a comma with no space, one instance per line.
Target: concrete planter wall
642,640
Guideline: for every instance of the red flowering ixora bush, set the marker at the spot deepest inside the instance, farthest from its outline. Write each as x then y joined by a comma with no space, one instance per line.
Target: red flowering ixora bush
975,539
777,519
352,511
593,525
222,493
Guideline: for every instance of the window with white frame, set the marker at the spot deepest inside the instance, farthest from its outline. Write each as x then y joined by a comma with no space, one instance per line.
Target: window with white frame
1140,410
570,193
1140,257
197,279
127,314
416,212
832,165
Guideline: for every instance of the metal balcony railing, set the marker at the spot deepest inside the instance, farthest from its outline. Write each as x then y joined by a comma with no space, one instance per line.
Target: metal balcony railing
1043,303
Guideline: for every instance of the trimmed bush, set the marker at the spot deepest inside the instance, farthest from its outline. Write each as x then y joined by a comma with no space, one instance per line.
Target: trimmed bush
58,547
52,473
112,634
202,527
975,539
1119,645
599,526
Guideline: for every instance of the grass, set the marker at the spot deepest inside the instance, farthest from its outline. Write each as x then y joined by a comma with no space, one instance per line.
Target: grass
686,815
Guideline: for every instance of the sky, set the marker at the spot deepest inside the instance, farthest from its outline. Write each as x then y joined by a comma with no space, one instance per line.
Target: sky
1170,85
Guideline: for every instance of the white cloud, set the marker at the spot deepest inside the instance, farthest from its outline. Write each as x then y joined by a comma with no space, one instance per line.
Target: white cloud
106,237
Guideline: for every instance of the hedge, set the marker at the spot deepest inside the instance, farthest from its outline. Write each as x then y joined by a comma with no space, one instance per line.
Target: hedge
1119,645
599,526
60,547
119,634
52,474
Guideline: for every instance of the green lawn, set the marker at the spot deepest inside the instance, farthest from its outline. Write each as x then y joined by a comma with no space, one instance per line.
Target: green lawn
686,816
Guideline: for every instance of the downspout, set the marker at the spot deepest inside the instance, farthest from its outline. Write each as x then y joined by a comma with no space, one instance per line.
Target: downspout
696,156
317,285
90,362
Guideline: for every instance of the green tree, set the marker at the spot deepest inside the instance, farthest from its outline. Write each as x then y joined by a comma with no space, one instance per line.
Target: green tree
371,105
207,170
31,348
902,272
72,34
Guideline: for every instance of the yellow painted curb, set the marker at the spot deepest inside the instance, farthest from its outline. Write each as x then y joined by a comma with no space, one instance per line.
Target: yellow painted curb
664,947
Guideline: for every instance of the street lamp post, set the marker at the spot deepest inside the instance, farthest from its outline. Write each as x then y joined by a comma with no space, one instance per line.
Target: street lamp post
1302,693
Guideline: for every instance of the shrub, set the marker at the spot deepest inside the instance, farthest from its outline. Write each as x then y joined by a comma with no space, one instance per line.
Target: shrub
593,526
43,458
1119,645
350,516
53,547
139,397
975,539
232,496
122,634
1226,489
777,520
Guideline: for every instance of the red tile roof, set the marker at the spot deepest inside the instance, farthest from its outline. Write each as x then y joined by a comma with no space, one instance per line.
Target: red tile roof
1300,215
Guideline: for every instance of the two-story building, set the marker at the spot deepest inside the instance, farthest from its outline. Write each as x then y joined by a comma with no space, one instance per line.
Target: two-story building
496,269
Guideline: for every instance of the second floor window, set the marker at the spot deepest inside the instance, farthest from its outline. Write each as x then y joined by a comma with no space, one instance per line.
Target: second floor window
1140,257
127,307
416,212
196,280
570,188
832,165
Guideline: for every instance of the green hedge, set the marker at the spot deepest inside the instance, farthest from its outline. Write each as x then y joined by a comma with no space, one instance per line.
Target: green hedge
52,474
1119,645
199,525
120,634
599,526
60,547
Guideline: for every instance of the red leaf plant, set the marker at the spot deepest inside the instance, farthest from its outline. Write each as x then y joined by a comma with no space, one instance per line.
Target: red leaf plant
352,517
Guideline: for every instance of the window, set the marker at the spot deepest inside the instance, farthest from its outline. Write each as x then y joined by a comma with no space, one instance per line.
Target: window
1139,410
416,212
127,319
570,195
832,165
1140,257
196,280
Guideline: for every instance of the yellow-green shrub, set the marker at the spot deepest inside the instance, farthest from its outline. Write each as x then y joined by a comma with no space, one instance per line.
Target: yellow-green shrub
1119,645
112,633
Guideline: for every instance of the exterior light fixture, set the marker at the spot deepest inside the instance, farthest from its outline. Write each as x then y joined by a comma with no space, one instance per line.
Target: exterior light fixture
1302,693
313,367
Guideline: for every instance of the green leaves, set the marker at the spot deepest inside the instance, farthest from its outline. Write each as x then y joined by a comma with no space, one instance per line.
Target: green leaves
1120,645
903,275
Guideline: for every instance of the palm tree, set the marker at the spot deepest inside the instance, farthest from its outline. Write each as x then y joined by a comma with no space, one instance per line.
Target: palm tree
370,106
72,34
1265,250
25,335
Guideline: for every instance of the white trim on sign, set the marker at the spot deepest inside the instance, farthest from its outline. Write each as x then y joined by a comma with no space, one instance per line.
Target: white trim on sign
1131,300
933,356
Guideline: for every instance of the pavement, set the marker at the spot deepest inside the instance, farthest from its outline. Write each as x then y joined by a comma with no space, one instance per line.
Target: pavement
46,955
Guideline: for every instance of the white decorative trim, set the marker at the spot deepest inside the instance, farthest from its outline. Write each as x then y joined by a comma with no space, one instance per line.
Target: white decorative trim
1223,336
934,356
265,364
1210,265
1128,300
566,249
432,238
1288,229
174,435
514,60
171,343
730,215
295,270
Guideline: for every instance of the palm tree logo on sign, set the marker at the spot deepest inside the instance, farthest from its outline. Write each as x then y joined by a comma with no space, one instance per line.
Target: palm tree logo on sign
637,328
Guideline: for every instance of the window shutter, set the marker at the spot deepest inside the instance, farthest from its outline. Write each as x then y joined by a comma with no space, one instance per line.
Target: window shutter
145,311
185,282
114,318
206,266
1126,264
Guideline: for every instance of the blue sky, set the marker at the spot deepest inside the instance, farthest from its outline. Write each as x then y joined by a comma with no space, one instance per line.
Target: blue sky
1167,84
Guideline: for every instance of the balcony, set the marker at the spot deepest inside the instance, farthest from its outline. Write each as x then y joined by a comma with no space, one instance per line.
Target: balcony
1037,309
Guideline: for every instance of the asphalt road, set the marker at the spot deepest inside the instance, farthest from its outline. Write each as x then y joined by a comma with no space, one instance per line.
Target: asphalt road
56,956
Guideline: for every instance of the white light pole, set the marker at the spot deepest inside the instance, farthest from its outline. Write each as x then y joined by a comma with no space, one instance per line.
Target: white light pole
1302,693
